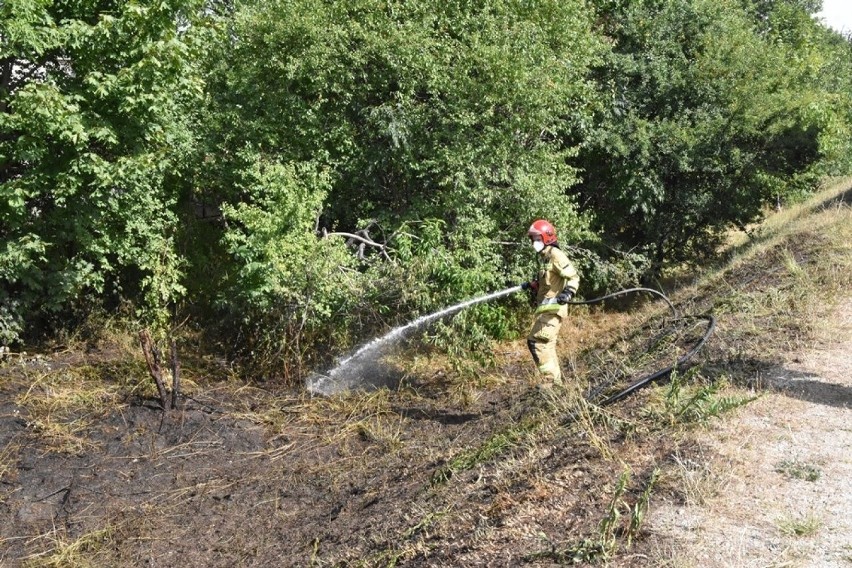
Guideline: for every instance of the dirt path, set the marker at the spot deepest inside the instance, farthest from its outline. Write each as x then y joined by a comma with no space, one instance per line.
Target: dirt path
777,490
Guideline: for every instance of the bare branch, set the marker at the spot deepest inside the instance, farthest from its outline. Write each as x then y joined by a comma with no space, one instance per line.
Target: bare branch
152,358
175,363
365,240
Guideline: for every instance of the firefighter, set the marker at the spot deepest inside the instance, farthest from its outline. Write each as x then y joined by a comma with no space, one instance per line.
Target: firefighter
555,285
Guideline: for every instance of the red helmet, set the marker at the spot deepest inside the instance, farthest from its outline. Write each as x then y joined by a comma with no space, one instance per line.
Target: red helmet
542,230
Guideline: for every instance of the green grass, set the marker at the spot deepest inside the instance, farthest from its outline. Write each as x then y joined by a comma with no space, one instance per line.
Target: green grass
805,526
797,470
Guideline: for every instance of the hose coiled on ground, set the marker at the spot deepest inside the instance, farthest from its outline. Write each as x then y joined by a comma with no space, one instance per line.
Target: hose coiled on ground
662,373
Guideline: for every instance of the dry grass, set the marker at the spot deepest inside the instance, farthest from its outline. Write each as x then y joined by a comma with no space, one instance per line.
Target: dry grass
60,405
63,553
594,425
693,479
776,292
772,298
8,459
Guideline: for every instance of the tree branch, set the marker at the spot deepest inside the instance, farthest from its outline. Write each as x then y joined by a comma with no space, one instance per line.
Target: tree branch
365,240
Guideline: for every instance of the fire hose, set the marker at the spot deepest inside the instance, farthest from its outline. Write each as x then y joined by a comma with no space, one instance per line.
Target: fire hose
659,374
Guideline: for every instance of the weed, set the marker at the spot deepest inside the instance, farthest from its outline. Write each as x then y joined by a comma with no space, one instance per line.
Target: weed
611,528
805,526
693,404
423,525
585,552
798,470
611,520
640,508
495,445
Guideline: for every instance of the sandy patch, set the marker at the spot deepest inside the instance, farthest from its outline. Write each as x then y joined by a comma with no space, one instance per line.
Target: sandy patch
778,489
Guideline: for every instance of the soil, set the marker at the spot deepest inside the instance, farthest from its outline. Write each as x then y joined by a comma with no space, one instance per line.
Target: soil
775,484
213,484
251,475
244,475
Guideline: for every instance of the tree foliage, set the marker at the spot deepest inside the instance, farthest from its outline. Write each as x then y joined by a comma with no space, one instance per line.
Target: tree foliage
441,128
93,135
709,117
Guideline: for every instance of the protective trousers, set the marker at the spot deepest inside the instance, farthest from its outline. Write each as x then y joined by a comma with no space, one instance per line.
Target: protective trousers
542,344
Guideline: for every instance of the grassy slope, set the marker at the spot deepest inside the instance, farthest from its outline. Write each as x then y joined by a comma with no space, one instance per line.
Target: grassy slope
450,470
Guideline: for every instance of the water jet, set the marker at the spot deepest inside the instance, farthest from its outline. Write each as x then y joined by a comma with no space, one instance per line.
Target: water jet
361,369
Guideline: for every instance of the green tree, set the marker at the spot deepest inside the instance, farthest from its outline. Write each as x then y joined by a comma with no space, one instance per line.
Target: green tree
833,109
440,128
93,130
709,119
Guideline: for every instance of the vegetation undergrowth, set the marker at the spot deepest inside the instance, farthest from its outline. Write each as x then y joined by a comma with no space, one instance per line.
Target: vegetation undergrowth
293,177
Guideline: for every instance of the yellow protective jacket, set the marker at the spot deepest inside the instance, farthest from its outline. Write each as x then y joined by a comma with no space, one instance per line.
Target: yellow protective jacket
557,273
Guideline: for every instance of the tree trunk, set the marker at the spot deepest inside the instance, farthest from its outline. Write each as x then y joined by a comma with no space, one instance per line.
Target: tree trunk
152,358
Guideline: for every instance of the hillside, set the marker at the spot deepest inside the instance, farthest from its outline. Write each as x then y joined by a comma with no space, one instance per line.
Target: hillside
456,467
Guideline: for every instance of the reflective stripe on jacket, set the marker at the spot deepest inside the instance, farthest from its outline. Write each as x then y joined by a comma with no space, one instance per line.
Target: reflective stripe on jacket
556,274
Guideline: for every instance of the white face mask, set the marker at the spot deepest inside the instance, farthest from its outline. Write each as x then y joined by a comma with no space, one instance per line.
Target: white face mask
538,246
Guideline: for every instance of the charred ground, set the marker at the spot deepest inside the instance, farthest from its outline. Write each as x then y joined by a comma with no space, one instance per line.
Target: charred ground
482,471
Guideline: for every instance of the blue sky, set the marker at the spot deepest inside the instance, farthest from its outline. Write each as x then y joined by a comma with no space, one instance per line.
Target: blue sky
837,14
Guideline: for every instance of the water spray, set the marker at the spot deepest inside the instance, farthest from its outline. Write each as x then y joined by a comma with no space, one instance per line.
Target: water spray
352,370
361,369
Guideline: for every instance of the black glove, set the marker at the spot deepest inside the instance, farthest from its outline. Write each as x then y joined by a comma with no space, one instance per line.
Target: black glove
532,285
564,296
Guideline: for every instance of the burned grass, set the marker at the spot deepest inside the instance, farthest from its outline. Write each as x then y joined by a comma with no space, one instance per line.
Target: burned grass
246,476
448,469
